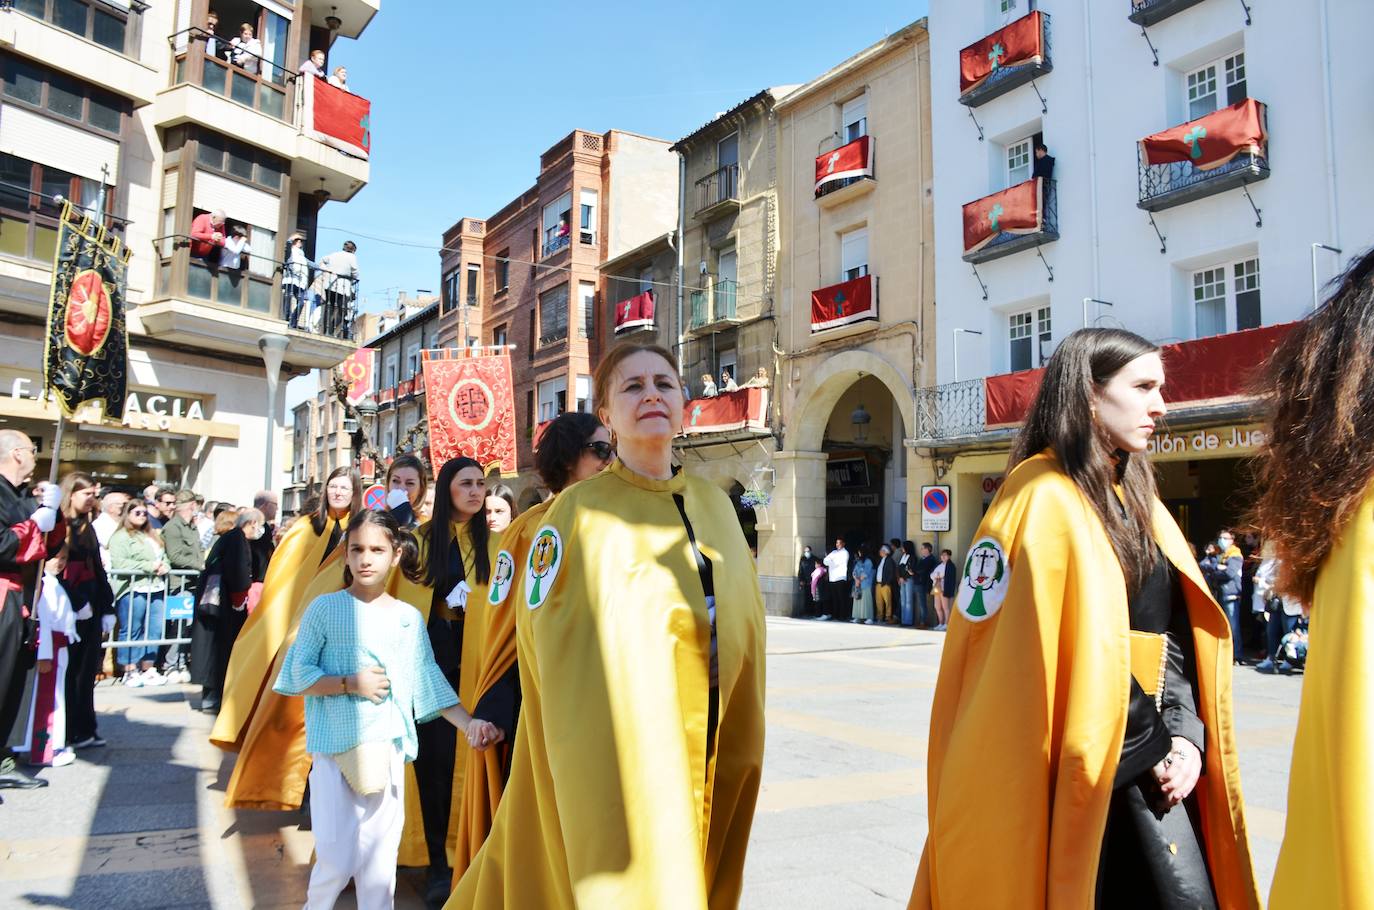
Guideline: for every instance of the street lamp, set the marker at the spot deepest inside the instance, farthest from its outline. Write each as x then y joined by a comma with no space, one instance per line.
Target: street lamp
860,420
362,433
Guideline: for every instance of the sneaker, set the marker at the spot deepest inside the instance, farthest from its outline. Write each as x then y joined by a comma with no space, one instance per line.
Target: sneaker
180,675
90,742
1285,667
63,758
134,680
824,617
868,622
1265,666
153,678
940,628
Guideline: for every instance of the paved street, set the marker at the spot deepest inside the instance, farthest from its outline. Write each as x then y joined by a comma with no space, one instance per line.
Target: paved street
840,822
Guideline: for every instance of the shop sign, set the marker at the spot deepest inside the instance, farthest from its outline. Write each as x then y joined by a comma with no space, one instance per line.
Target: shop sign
1222,441
846,473
144,409
852,500
991,484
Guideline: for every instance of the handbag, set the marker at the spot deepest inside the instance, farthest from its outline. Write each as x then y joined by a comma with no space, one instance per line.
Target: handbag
210,596
367,767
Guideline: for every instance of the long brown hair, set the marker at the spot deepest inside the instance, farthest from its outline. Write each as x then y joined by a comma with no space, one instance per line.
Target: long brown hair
320,520
1062,419
126,514
1316,466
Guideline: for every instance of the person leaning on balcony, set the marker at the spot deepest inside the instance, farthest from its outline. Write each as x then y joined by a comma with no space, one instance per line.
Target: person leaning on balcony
339,79
295,279
727,382
708,386
215,46
314,65
340,280
236,249
758,381
247,50
207,237
1044,162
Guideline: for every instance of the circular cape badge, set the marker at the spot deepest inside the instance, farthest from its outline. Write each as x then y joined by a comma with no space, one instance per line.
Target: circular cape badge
89,313
501,577
986,577
546,555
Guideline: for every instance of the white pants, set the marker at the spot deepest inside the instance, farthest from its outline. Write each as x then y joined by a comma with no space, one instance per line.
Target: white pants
356,837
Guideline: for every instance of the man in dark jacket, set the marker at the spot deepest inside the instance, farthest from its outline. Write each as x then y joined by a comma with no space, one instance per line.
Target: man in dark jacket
31,530
1223,573
185,554
805,567
924,566
265,501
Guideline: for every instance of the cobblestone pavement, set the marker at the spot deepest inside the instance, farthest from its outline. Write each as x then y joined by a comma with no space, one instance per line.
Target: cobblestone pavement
841,818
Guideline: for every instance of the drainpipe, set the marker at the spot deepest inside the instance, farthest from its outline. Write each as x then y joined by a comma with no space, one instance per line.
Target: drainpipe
1333,213
1092,144
681,238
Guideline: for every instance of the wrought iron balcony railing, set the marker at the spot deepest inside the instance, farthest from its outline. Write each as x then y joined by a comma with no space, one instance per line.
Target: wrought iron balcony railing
723,300
700,306
1148,12
951,411
239,75
718,188
1166,185
556,242
1006,243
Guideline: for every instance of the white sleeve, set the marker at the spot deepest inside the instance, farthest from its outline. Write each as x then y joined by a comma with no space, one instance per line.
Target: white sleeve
47,616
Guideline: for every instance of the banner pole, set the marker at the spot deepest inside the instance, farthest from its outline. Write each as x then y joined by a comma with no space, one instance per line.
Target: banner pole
56,443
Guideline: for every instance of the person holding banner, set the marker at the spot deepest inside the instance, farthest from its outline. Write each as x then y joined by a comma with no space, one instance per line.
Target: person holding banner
640,628
574,446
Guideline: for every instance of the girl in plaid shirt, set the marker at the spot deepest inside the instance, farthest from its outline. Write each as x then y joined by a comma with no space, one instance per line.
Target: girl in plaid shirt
363,662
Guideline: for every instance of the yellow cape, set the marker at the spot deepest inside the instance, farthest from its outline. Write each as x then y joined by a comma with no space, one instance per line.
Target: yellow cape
294,564
482,781
615,798
1328,844
1030,710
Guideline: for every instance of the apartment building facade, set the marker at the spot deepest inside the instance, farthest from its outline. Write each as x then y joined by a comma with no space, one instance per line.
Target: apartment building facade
399,377
172,126
1203,186
856,283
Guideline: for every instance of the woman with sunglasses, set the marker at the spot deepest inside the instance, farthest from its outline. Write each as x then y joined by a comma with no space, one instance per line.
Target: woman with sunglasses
574,446
137,564
640,629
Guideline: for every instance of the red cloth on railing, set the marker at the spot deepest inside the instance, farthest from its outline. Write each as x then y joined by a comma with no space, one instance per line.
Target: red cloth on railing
337,117
1015,44
854,159
727,412
1211,141
842,304
1204,369
636,312
1015,210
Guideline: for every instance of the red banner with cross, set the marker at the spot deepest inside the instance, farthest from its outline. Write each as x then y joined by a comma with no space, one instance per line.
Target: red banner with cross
1211,141
1015,210
635,313
337,117
843,304
1017,43
471,408
854,159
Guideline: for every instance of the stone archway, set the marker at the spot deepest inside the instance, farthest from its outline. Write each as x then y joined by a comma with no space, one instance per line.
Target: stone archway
816,398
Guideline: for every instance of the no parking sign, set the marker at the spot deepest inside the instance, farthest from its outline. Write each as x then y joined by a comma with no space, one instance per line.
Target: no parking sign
935,508
374,497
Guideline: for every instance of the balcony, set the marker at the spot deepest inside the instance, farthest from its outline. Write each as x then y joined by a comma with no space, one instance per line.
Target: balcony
555,241
228,310
744,410
26,30
718,193
1018,218
1007,59
1212,154
845,172
714,309
1148,12
386,398
406,390
951,411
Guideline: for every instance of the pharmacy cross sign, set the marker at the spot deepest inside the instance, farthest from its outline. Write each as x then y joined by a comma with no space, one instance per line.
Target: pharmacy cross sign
1194,137
996,54
994,214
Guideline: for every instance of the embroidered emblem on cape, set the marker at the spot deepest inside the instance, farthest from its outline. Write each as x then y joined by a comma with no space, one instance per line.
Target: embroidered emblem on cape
985,581
501,578
546,555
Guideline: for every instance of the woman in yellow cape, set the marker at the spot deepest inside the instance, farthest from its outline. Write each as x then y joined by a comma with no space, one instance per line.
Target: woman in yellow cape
455,556
1317,508
573,447
640,745
1082,746
298,559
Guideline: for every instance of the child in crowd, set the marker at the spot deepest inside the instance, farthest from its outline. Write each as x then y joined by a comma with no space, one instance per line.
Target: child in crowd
46,743
363,661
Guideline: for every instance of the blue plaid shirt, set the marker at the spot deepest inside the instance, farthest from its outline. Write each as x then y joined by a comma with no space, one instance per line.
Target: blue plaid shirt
339,635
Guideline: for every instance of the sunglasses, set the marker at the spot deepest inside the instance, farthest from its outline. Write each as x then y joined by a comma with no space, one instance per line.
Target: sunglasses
137,512
602,450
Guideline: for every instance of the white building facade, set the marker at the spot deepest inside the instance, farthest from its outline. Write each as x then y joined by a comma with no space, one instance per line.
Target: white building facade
1174,252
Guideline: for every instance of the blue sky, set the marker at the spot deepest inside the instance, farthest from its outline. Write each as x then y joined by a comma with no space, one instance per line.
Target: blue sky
466,96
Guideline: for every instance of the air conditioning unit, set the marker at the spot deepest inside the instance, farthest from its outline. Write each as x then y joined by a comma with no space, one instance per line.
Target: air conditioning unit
350,425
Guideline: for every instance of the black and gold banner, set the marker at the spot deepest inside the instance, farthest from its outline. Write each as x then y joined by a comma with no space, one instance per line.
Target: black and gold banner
85,357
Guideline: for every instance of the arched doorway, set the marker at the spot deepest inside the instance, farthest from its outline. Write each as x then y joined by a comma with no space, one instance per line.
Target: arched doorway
864,493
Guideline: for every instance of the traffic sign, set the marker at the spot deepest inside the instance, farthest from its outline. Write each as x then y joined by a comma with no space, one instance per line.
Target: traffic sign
935,508
374,497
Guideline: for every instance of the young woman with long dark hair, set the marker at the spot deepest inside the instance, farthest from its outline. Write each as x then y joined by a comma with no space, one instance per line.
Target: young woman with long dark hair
1085,684
574,446
640,625
1316,508
93,599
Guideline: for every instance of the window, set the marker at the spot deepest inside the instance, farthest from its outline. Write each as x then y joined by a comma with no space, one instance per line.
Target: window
586,300
236,159
1030,336
854,118
103,23
474,285
263,246
557,224
502,270
1226,298
1209,301
1006,6
1019,162
587,222
1247,288
646,279
448,293
553,398
389,377
854,254
388,441
727,151
498,336
59,94
584,394
28,216
728,364
412,360
1204,94
553,315
529,409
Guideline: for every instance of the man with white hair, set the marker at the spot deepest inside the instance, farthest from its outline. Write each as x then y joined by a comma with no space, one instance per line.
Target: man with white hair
31,530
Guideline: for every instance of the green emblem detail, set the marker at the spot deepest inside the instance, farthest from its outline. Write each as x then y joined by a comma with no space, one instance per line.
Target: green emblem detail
501,577
366,124
985,581
840,301
996,54
1194,138
995,214
546,555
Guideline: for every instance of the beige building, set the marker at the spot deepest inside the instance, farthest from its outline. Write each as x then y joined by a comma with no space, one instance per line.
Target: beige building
140,106
846,390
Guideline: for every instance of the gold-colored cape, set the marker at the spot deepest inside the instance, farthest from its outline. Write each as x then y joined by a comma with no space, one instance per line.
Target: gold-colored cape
614,799
483,780
294,565
1030,712
421,597
1327,858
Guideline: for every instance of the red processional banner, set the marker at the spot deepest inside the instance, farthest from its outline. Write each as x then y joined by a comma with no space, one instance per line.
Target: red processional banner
1211,141
1017,43
337,117
854,159
744,409
842,304
1015,210
471,409
635,313
357,372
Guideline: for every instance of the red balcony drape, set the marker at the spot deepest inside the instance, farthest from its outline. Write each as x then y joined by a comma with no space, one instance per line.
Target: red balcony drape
842,304
1211,141
854,159
1017,43
636,312
1016,210
336,117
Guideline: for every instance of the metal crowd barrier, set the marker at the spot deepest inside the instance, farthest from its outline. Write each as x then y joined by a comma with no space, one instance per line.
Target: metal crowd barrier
167,610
